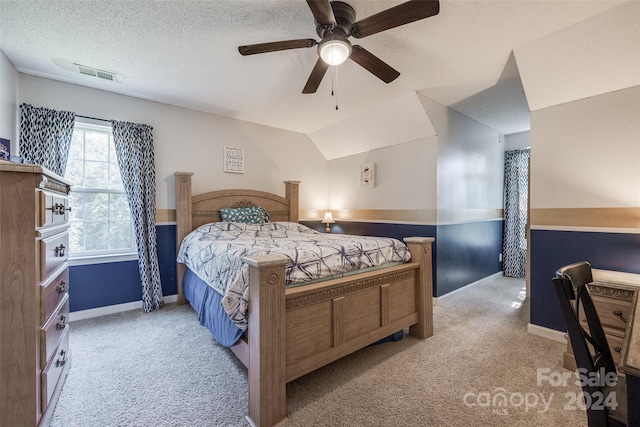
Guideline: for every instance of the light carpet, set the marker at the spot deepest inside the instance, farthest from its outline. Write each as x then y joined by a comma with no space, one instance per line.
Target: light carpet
481,368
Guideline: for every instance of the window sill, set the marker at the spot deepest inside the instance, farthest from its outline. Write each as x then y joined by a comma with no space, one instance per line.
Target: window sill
101,259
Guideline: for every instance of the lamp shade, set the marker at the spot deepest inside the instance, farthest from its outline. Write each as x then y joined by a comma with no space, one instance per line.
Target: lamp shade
328,218
334,50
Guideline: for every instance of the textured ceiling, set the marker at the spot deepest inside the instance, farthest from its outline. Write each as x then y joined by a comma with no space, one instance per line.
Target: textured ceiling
185,53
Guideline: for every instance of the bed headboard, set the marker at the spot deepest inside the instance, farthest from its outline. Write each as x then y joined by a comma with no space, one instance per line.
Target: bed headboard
194,211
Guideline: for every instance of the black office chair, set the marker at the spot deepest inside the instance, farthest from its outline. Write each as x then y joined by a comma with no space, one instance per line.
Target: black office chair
593,357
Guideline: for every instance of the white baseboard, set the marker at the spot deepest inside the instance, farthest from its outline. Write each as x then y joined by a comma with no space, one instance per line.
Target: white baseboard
477,282
548,333
112,309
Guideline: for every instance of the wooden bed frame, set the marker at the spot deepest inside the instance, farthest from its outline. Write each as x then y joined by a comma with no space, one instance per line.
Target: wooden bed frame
293,331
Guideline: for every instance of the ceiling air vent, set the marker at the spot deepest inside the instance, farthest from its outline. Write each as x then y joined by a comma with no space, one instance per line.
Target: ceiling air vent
105,75
94,72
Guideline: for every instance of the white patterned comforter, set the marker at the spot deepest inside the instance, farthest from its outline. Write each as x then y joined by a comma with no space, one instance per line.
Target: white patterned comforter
214,253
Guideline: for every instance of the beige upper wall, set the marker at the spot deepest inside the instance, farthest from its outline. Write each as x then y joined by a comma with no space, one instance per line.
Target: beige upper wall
582,86
405,178
586,154
186,140
470,164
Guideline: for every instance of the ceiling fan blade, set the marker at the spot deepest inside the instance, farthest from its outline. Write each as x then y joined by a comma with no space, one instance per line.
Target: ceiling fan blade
252,49
373,64
316,76
322,11
404,13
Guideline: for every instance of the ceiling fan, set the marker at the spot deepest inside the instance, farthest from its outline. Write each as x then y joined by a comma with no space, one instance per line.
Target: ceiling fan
335,23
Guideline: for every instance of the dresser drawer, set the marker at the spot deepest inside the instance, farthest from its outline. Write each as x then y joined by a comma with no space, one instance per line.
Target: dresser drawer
53,209
52,372
54,251
52,291
613,313
615,345
52,331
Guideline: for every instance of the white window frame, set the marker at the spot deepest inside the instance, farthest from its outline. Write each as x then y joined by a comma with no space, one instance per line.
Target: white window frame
107,256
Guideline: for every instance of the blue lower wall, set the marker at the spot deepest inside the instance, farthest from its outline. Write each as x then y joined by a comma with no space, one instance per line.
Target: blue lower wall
167,258
100,285
551,250
467,252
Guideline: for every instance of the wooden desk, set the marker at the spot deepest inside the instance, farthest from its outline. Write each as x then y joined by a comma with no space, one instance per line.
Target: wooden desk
613,294
618,285
630,364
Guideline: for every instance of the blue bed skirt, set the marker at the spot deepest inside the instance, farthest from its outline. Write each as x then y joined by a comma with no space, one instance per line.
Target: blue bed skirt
206,302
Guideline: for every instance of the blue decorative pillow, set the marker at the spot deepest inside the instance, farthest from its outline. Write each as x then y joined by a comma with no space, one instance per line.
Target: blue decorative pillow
252,215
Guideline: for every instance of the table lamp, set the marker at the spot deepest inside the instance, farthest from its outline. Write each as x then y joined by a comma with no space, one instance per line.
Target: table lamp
328,219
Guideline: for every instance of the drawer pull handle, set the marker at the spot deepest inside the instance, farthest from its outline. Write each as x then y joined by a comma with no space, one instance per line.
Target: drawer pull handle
61,288
619,314
60,250
62,323
61,362
617,349
58,209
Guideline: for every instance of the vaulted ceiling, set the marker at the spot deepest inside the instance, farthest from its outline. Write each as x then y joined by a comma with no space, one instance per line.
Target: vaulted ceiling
185,53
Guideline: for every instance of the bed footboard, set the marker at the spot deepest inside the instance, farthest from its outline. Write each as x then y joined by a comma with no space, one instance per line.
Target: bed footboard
293,331
421,253
266,340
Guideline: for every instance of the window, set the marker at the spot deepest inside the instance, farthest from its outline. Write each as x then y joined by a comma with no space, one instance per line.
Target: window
100,221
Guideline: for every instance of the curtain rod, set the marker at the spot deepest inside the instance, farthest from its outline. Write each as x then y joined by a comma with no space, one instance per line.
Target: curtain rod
92,118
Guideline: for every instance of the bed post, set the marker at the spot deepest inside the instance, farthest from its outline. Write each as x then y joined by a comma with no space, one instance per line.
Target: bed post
266,333
183,221
420,248
291,194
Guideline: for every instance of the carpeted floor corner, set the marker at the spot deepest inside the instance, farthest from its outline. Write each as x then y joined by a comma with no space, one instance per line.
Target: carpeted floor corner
481,368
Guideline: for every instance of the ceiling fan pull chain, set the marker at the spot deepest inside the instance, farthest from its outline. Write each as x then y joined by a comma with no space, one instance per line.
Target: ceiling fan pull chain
335,76
333,80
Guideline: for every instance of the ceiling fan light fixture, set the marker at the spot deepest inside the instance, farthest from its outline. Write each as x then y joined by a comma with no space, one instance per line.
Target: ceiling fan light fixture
334,50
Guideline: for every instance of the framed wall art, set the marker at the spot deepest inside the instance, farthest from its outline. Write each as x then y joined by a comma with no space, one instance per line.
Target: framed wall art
368,175
233,159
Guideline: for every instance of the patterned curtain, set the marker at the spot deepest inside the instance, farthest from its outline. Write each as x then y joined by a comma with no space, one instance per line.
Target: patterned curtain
514,244
45,136
134,150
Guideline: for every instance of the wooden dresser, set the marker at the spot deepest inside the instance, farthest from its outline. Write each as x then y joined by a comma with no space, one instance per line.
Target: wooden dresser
34,299
612,293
